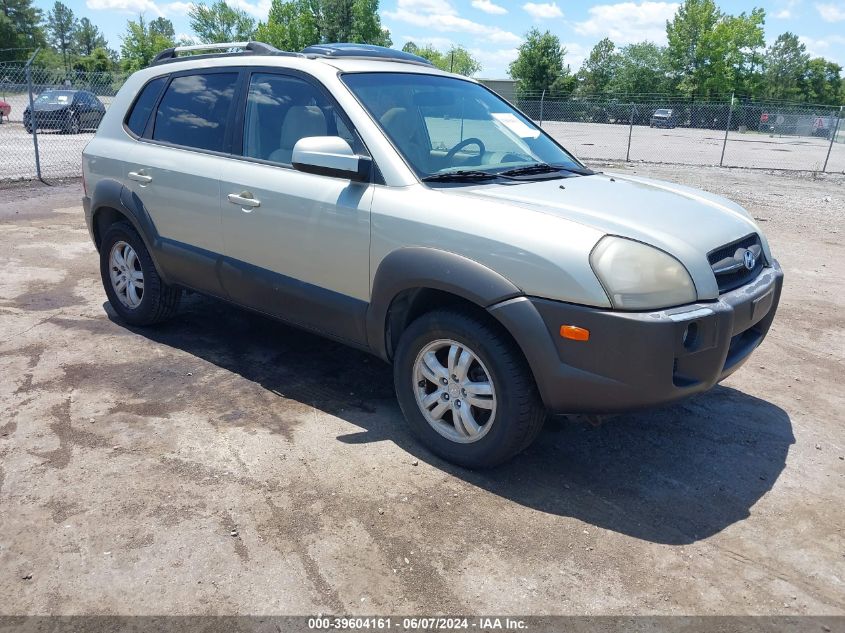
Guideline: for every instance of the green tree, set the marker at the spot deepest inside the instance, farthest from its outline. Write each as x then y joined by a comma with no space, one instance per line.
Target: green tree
99,61
456,60
20,28
162,27
142,42
61,27
689,49
599,68
218,22
642,69
294,24
785,66
539,63
88,37
823,82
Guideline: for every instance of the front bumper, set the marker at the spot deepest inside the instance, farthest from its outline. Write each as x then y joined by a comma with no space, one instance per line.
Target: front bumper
639,359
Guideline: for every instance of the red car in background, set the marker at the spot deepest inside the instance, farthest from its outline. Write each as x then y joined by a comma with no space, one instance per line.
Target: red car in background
5,110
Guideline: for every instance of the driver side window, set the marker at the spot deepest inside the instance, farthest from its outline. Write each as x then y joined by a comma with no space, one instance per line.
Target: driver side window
281,110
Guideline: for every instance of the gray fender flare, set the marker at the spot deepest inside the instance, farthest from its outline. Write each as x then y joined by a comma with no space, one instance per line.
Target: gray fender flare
424,267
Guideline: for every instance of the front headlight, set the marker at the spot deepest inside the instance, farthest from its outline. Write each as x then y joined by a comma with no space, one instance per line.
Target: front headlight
640,277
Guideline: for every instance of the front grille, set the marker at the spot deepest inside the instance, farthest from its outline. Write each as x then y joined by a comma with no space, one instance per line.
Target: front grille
728,265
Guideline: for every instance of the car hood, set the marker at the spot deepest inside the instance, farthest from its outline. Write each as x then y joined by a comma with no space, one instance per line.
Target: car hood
682,221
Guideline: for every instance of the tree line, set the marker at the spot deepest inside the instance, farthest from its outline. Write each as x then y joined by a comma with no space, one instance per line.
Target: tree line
709,55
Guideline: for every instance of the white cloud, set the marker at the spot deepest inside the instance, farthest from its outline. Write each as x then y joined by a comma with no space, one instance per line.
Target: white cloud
177,8
494,63
440,43
127,6
575,55
628,22
831,12
785,9
489,7
440,15
543,10
829,47
258,9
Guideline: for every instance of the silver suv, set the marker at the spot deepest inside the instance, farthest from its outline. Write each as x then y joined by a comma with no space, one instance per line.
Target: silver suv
362,194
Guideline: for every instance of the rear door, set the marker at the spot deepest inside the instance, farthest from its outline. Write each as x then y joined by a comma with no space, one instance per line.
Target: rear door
175,168
299,246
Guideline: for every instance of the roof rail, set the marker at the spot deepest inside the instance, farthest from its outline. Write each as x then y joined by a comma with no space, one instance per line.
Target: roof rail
248,48
363,51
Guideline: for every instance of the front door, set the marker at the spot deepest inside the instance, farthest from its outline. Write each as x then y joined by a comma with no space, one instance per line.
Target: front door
296,245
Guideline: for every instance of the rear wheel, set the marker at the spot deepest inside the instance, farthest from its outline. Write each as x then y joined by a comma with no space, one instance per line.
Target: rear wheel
465,389
132,284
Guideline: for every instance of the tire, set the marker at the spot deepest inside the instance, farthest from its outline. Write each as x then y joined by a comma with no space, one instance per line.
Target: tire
510,418
28,128
72,125
156,301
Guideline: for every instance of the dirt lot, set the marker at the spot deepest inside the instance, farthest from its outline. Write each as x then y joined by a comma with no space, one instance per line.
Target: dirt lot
226,464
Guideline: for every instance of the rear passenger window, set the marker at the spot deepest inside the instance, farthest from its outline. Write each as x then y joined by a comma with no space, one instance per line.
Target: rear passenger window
194,110
140,114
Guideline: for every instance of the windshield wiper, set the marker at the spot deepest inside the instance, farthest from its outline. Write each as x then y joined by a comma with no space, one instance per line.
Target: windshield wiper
461,175
543,168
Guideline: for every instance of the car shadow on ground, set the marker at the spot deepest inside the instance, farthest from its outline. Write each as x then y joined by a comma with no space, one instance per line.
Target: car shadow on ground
672,475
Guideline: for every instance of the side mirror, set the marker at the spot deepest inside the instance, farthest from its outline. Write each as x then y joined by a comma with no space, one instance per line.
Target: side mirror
330,156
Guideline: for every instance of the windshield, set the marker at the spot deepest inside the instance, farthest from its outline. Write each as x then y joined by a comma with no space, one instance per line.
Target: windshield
55,97
663,112
442,124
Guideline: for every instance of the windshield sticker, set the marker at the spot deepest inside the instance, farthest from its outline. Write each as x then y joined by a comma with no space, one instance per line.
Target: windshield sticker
515,125
61,99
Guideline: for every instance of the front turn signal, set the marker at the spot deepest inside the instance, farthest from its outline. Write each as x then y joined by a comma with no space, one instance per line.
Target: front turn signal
574,333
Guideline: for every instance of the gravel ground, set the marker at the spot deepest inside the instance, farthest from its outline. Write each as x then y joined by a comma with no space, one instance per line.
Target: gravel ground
225,464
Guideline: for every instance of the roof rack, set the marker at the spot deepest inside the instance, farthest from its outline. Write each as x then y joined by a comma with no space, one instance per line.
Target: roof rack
228,48
363,51
325,51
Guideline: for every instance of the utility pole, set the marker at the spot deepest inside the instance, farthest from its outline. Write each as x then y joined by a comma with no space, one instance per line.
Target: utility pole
727,127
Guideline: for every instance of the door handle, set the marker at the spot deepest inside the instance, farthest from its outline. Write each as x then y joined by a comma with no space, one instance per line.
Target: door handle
138,176
244,199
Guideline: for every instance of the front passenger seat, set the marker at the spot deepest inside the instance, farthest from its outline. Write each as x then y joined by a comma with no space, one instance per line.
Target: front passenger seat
300,122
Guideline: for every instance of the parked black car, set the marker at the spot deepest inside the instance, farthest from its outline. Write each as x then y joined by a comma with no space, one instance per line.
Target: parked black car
663,117
70,111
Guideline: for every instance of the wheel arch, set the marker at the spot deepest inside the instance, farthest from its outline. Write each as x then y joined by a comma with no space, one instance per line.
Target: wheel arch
414,280
111,202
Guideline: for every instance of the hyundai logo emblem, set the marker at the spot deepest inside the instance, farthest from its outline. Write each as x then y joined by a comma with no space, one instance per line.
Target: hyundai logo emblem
749,260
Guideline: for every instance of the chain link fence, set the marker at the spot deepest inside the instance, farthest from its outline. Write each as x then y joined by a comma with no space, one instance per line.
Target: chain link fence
646,128
68,109
731,133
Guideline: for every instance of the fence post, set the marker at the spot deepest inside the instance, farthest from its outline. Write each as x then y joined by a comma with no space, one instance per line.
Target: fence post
727,127
832,139
33,124
630,130
542,99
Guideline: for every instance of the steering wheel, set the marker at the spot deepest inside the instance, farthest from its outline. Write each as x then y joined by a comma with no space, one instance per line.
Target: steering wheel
467,141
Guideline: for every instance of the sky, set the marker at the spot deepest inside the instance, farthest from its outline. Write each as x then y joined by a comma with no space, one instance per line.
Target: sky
492,29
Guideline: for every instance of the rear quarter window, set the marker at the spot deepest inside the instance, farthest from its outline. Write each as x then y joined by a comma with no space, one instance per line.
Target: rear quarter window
143,106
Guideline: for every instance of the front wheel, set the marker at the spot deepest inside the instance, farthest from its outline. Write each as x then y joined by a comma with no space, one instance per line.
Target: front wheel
465,389
132,284
72,125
